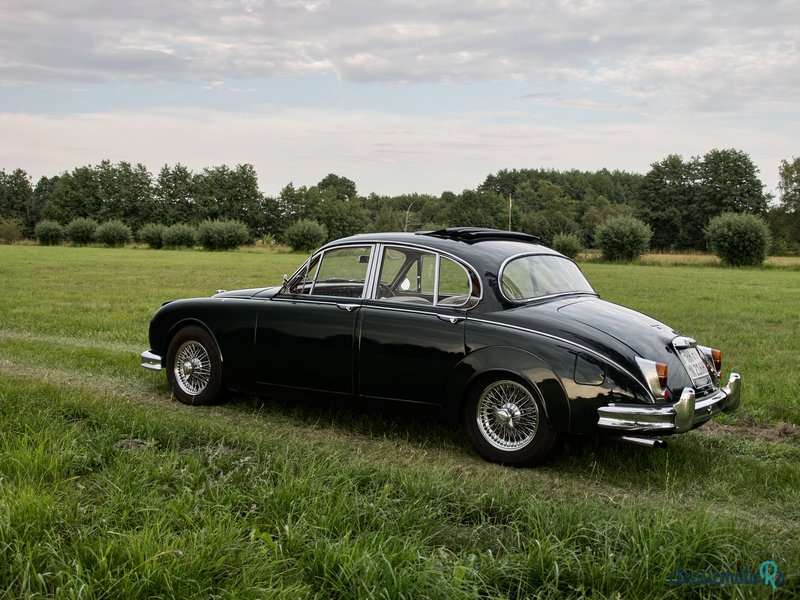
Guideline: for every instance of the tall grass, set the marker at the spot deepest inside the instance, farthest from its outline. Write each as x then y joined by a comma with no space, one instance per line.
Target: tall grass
110,489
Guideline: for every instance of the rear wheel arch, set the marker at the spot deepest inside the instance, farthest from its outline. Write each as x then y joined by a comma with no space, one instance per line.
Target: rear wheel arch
526,367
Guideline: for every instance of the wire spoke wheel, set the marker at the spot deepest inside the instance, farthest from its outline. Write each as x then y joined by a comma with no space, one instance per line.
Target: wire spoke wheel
192,367
507,415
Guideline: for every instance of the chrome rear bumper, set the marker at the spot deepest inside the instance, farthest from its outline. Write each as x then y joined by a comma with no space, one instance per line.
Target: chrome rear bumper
151,361
687,413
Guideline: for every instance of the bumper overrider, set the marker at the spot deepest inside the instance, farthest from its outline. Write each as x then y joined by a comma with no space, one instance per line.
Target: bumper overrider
151,361
687,413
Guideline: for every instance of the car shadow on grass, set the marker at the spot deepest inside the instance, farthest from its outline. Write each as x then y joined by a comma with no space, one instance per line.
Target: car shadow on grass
599,458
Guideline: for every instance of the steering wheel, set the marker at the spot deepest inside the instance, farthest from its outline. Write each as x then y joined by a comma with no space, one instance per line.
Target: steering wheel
384,291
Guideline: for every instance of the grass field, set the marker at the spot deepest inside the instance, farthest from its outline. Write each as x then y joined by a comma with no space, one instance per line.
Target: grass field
111,489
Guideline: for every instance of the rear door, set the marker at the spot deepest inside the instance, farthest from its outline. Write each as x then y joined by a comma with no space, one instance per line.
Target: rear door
412,330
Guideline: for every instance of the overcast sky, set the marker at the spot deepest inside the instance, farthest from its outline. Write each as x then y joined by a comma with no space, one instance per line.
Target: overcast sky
399,96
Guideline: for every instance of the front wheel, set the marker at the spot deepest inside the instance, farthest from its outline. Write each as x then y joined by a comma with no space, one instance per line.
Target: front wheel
194,368
506,423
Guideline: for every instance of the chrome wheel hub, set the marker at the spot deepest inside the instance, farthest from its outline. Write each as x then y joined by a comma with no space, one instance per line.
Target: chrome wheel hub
192,368
507,415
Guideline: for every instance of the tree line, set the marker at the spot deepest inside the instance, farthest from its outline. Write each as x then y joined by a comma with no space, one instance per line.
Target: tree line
677,198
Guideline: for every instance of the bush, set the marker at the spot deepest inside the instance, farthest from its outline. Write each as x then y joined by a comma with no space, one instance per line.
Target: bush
306,235
222,235
10,230
179,236
81,231
113,234
568,244
49,233
738,239
152,234
623,238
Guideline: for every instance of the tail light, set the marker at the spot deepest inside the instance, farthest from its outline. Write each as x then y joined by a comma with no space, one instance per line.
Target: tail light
656,375
662,371
713,358
716,357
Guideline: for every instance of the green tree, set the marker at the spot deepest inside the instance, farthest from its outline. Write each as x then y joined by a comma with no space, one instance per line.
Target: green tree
789,184
598,210
221,193
728,182
666,193
17,201
126,193
623,238
739,239
544,209
42,193
306,235
784,218
344,188
678,198
174,195
75,195
341,218
476,209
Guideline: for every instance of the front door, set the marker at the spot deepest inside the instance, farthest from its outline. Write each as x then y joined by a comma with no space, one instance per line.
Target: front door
305,337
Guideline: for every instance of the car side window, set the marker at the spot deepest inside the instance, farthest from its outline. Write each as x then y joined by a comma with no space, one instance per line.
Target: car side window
339,272
454,283
408,276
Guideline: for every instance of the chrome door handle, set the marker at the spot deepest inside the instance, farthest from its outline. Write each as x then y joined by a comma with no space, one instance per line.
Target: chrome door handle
450,318
348,307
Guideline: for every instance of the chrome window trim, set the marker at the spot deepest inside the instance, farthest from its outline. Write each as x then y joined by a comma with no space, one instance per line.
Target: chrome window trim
470,272
321,253
502,269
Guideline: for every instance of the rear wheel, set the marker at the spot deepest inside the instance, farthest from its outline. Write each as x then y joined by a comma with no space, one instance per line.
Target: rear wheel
505,422
194,368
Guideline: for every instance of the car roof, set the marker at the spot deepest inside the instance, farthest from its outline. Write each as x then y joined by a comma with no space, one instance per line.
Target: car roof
481,247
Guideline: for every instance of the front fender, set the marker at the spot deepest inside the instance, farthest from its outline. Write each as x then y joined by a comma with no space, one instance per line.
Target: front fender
230,321
507,360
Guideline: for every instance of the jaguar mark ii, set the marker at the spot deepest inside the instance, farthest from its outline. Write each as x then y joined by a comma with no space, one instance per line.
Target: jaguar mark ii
484,327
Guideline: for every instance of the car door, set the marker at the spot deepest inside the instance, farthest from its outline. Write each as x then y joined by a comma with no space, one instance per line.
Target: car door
412,328
305,335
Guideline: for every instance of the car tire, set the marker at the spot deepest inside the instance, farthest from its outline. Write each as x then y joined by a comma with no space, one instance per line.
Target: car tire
194,367
505,421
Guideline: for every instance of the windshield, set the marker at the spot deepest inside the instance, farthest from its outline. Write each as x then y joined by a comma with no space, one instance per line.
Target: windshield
533,276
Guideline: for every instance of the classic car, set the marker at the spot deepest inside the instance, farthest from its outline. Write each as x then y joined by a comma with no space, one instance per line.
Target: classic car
486,327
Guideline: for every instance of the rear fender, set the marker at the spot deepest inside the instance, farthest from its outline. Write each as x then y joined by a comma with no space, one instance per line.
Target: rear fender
508,361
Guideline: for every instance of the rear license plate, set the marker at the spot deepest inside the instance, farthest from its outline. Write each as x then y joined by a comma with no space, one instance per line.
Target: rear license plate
695,367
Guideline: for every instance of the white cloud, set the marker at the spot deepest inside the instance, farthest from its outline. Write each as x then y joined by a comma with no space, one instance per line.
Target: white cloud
597,84
381,152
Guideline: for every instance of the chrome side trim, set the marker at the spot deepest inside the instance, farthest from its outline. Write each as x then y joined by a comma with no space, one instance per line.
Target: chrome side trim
151,361
582,348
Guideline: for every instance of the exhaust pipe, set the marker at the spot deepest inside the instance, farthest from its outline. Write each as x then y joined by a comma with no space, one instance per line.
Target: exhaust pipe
649,442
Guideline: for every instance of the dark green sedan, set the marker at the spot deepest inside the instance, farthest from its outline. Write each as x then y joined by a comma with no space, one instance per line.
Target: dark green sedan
480,326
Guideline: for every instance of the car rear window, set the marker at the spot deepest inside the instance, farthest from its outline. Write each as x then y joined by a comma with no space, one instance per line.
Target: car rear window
534,276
